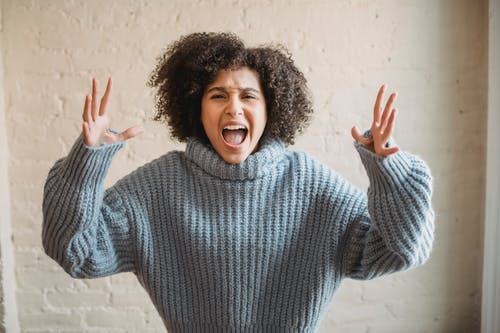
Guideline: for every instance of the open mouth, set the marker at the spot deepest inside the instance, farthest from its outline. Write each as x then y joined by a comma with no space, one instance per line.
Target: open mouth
234,134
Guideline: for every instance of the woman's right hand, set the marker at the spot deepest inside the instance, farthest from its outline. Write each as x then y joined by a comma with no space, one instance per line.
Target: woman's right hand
95,125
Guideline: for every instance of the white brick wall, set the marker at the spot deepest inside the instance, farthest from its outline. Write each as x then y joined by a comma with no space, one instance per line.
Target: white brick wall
8,306
432,52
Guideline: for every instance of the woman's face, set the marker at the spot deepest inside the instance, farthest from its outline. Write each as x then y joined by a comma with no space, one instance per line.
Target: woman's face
233,113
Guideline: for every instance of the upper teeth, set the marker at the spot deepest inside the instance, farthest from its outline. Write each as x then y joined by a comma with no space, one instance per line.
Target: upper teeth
234,127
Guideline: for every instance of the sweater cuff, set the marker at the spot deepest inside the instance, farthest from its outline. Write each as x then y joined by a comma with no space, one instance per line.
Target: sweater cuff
86,165
385,173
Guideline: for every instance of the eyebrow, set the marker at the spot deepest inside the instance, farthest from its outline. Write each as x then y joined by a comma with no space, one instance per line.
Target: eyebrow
224,89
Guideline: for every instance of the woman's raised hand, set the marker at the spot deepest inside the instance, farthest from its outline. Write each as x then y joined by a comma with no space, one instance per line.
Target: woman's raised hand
95,125
382,126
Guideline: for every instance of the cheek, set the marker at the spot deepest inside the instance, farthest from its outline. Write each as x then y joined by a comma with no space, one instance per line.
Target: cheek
207,118
203,117
262,120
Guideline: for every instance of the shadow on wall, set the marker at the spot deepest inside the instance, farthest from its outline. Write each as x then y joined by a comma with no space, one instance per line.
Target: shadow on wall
459,159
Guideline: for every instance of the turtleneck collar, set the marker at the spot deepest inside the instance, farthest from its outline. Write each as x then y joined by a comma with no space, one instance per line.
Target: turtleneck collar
271,152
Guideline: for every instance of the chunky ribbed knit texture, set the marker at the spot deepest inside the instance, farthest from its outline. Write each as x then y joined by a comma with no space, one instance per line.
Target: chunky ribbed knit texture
259,246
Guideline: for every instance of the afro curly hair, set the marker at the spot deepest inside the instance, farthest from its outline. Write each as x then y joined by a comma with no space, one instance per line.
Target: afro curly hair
191,63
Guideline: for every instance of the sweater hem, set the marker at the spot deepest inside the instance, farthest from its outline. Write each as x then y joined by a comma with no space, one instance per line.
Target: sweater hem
387,173
193,327
88,165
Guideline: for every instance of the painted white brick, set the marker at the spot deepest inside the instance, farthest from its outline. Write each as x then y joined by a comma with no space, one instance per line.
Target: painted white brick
133,298
35,280
50,321
99,284
113,318
74,299
33,302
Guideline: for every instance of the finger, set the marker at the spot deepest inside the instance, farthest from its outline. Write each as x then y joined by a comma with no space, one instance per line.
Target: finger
89,111
378,103
86,109
94,99
359,137
390,125
104,100
86,133
387,111
129,133
389,151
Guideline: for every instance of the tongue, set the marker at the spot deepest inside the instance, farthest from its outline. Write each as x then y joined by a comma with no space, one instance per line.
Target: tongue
234,137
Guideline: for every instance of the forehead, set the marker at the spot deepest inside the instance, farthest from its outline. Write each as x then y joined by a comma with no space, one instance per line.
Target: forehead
243,77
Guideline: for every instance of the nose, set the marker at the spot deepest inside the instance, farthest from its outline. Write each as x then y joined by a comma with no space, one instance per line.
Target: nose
234,106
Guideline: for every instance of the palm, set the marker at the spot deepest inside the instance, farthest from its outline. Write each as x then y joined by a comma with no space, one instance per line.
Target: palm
98,131
96,121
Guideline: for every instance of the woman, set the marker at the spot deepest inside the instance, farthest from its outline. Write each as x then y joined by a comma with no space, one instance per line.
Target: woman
236,233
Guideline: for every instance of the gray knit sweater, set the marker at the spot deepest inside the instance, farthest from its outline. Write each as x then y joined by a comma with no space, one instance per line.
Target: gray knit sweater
259,246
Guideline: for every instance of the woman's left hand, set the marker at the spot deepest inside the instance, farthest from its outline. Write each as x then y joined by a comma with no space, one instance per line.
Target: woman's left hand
382,126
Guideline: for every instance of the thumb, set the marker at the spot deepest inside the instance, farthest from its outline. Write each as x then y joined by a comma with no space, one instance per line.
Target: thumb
359,137
129,133
355,133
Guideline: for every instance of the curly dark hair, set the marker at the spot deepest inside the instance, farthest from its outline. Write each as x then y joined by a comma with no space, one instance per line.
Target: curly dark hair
191,63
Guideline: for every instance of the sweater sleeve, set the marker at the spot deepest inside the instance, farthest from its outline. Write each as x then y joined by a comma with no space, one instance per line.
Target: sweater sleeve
85,229
392,228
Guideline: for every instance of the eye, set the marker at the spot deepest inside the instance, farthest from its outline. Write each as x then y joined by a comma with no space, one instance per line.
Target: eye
216,96
249,97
